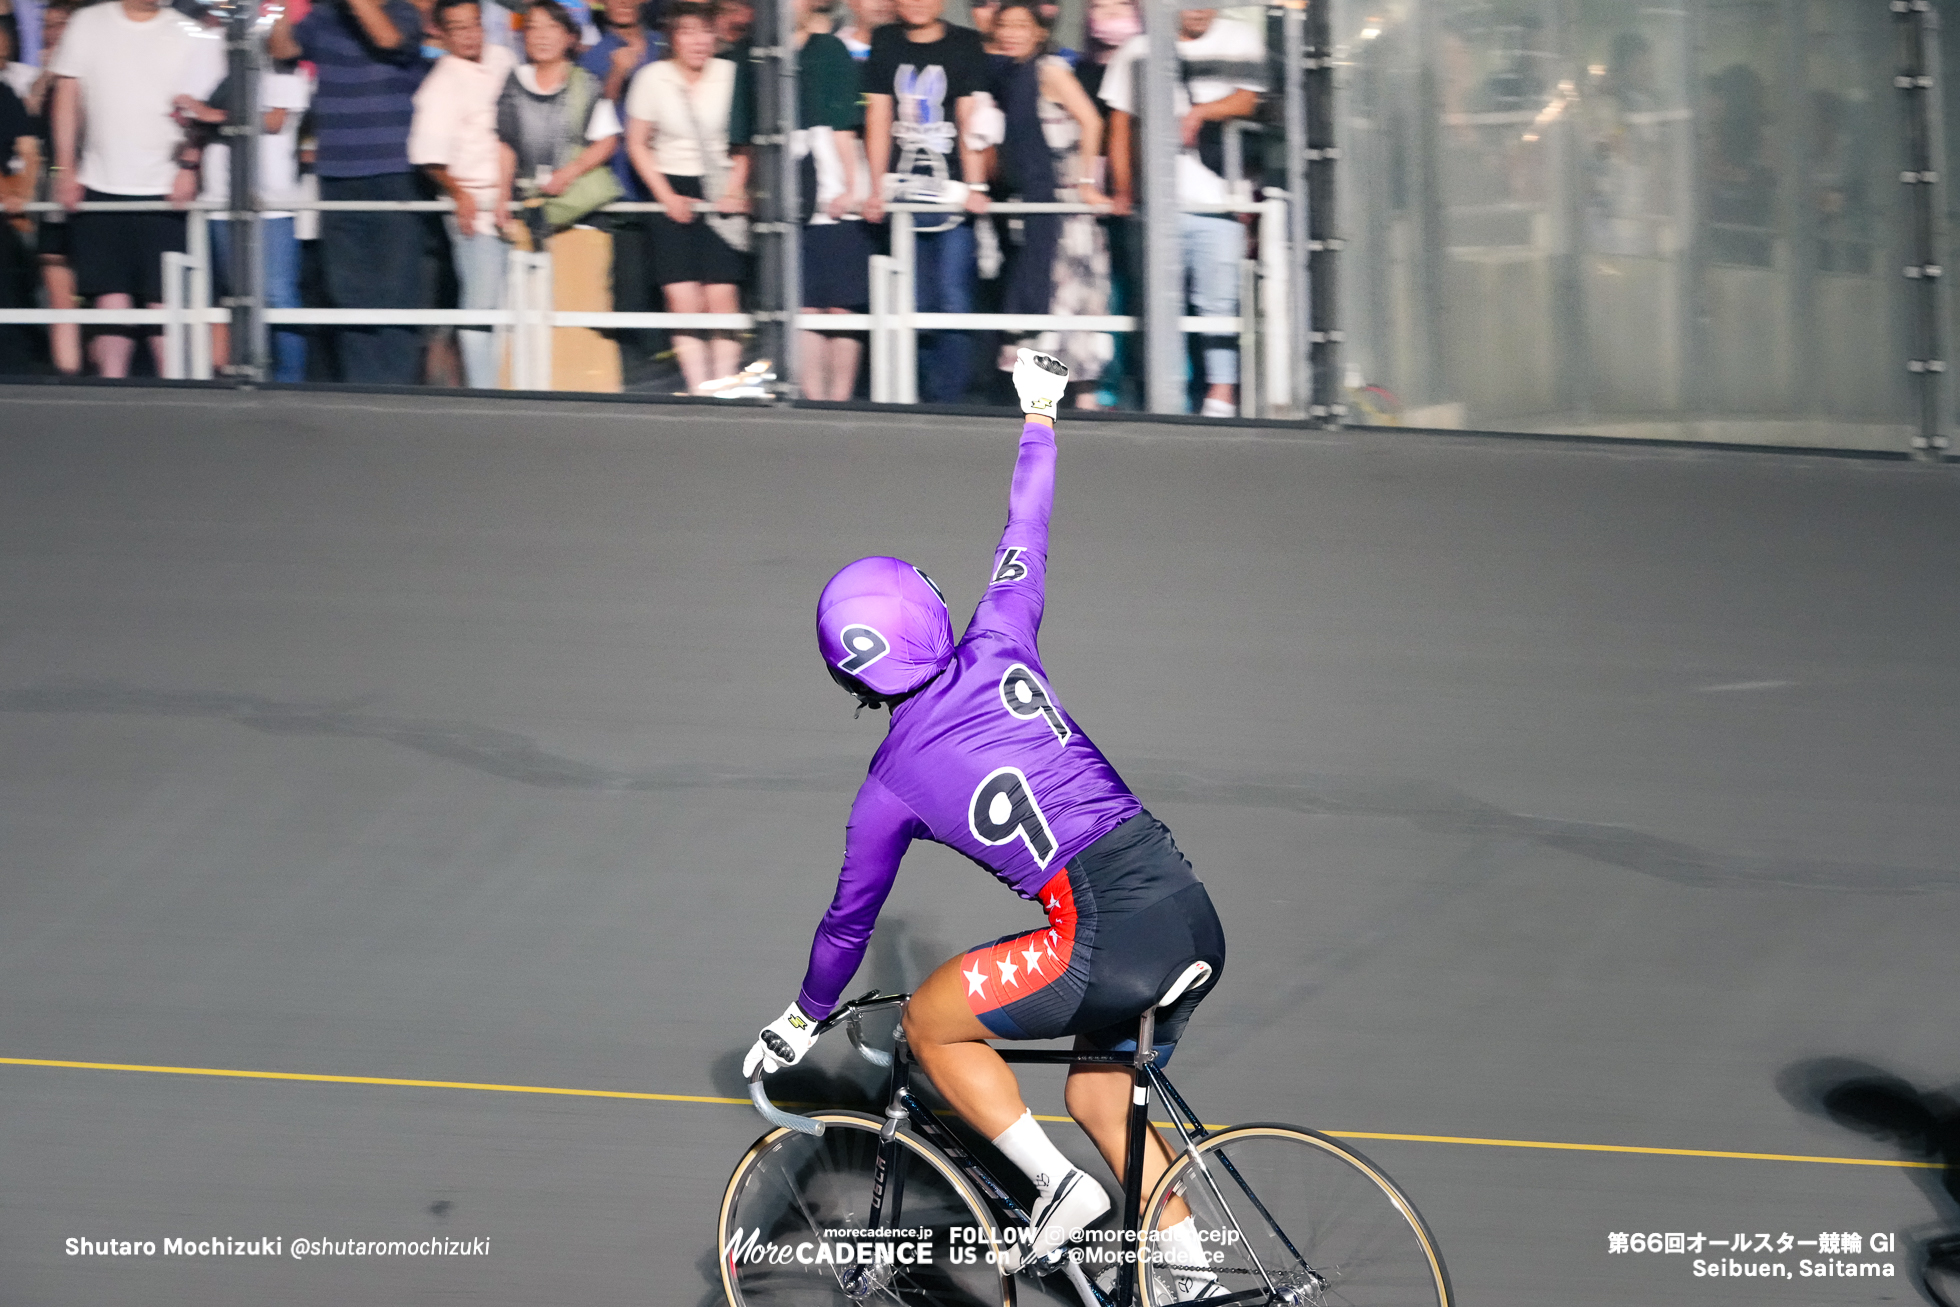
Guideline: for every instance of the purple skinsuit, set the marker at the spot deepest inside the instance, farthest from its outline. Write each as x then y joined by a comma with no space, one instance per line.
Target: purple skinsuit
983,759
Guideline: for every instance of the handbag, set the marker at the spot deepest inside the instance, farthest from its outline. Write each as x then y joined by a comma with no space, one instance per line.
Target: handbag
594,188
733,228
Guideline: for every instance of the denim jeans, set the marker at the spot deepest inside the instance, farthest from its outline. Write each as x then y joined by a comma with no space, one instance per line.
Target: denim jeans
1213,246
281,247
943,277
374,261
480,264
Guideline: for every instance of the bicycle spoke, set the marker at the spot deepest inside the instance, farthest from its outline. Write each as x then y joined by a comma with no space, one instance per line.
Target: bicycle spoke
800,1192
1285,1211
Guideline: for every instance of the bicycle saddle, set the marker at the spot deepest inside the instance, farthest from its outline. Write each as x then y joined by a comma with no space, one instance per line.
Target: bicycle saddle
1196,974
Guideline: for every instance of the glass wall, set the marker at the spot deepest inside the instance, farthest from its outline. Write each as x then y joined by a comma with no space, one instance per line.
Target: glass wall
1596,214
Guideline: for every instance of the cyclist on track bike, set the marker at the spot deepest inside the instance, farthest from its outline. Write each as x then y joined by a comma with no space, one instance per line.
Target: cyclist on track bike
982,757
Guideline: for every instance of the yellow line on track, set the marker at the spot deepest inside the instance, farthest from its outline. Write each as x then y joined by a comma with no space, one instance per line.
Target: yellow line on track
367,1080
743,1102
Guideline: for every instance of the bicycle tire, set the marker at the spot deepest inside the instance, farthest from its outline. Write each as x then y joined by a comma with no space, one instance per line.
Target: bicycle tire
791,1188
1326,1225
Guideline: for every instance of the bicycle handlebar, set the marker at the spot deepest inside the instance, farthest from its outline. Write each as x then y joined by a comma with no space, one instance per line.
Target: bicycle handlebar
775,1115
850,1016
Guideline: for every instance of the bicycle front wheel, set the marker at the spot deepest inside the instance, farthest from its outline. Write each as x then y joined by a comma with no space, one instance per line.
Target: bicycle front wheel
794,1217
1294,1216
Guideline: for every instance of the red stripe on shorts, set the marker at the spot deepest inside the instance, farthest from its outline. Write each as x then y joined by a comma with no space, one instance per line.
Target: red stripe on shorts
1013,968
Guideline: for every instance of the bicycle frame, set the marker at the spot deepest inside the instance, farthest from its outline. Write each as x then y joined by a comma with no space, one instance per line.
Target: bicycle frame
887,1196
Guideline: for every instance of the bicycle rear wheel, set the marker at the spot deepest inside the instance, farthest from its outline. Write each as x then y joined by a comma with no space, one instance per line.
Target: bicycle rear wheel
1295,1217
793,1198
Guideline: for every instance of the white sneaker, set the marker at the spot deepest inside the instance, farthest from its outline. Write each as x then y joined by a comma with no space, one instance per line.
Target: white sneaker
1076,1201
1218,408
1181,1257
1181,1289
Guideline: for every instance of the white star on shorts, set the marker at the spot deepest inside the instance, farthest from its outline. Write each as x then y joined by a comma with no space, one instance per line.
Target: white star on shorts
1033,956
1007,970
975,980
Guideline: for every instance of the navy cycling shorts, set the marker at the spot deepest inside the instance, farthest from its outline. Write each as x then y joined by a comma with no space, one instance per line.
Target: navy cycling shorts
1125,918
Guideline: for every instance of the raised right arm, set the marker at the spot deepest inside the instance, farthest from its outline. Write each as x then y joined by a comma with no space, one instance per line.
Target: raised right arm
1017,586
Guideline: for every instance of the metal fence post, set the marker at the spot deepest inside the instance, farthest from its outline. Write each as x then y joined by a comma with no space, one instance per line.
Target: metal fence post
1276,305
1293,59
1249,397
880,343
1323,333
175,266
1924,174
245,273
506,334
778,284
904,305
1164,354
197,292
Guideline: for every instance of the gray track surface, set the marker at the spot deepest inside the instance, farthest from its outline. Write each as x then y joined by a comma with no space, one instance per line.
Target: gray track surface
1547,792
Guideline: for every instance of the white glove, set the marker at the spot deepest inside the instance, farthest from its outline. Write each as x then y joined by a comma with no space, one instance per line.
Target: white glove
1039,379
783,1042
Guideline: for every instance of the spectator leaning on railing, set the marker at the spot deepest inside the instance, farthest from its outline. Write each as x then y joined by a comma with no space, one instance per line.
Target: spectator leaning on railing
677,132
1050,151
919,83
369,57
454,141
121,66
1221,70
632,40
556,129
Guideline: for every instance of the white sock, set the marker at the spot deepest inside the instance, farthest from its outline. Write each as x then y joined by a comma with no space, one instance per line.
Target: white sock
1182,1247
1028,1147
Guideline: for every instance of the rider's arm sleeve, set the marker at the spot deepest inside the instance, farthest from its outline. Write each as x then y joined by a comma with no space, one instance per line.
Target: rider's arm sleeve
1017,586
881,827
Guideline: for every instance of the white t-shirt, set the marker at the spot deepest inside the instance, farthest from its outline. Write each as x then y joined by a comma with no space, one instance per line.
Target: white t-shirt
659,96
21,78
455,126
129,74
1228,57
278,152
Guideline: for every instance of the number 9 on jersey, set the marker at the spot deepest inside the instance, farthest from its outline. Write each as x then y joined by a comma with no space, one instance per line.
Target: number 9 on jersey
1003,808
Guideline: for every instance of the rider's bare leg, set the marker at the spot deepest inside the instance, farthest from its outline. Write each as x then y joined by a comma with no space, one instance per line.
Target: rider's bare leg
1099,1100
949,1042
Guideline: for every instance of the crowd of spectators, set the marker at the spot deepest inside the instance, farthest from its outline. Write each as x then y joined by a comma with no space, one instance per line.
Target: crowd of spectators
532,116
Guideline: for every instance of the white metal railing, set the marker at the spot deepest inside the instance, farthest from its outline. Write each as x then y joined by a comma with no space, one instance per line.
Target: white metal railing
525,322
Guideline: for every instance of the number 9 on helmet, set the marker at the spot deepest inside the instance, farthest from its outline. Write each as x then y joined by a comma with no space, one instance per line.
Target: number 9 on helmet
883,629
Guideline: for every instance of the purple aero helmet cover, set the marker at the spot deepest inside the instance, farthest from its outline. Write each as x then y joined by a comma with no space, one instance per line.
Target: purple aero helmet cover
884,622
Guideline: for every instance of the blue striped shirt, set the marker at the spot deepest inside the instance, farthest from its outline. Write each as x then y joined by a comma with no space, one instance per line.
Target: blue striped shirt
365,102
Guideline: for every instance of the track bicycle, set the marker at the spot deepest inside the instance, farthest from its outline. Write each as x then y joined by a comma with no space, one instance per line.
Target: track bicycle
844,1207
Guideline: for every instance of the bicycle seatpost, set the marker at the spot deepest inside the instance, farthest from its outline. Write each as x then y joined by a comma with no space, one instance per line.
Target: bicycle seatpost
1139,1123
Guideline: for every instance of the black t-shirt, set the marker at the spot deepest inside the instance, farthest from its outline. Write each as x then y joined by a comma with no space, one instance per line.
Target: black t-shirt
925,80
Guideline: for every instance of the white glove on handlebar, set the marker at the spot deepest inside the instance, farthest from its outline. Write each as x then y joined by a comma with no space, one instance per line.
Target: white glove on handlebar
783,1042
1039,379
